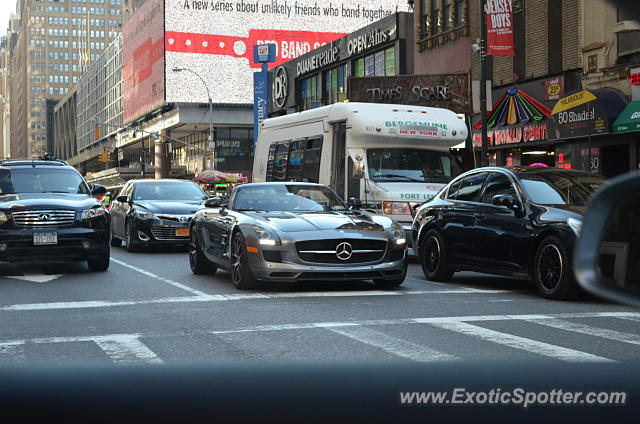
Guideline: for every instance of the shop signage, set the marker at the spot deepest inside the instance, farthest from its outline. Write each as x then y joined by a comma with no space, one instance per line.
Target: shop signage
579,115
280,87
449,91
553,88
499,27
367,40
318,60
513,134
634,79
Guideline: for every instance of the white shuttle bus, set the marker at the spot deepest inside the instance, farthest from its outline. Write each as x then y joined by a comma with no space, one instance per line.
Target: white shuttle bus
389,157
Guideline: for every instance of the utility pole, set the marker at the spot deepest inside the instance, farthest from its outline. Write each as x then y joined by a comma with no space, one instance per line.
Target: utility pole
211,142
483,82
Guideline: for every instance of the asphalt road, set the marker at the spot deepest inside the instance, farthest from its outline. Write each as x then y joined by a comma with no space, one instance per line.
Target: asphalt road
149,308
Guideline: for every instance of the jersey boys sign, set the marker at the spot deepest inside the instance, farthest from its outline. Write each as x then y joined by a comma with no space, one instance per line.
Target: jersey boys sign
499,27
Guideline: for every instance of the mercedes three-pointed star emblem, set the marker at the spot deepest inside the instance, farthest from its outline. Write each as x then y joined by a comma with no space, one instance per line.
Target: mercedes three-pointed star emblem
344,251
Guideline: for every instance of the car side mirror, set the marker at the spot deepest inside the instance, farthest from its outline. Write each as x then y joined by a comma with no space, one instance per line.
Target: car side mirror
355,203
607,254
98,190
212,202
122,199
504,200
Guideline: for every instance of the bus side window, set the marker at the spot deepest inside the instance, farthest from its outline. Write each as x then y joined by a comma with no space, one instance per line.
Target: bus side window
270,162
296,160
311,170
281,161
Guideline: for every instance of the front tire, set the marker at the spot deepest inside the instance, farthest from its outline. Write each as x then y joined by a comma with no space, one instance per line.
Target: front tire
552,270
198,262
130,244
101,263
240,271
433,257
392,282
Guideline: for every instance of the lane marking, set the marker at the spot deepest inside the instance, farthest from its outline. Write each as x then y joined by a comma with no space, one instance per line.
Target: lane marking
428,320
575,327
392,345
521,343
121,348
124,348
157,277
35,278
12,353
225,298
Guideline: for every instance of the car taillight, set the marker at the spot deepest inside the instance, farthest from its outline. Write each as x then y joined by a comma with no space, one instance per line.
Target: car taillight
396,208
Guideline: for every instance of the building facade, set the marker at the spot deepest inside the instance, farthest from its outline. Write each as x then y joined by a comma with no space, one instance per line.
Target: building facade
57,42
321,77
5,109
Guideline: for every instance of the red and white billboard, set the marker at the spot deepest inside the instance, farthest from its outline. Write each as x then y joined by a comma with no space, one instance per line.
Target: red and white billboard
143,61
215,39
499,28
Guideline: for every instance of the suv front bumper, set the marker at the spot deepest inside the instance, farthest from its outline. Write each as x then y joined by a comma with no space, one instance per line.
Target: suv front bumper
16,245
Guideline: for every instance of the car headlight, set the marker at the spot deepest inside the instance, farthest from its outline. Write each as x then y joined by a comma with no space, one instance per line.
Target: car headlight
396,208
266,237
143,215
575,224
93,213
398,233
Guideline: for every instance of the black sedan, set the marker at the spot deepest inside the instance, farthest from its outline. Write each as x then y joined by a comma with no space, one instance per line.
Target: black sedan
154,212
518,222
294,232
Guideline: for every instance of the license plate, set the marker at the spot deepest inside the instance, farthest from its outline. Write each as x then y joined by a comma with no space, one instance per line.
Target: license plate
182,232
40,239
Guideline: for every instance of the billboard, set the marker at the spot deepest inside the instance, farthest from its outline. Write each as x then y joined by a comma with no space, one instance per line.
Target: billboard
143,61
215,39
499,27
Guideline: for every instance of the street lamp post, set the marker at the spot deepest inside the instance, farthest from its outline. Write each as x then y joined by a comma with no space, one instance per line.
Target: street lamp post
211,143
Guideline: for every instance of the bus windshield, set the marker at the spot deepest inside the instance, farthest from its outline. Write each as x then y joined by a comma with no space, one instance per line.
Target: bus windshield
411,165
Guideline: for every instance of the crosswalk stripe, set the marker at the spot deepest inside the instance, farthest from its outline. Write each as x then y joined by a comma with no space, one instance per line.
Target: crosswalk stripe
125,348
575,327
522,343
392,345
12,353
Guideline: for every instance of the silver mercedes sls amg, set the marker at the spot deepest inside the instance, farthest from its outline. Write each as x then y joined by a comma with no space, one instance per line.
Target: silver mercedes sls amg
293,232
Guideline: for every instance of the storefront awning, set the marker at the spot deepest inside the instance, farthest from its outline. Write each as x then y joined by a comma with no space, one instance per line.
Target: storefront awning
629,119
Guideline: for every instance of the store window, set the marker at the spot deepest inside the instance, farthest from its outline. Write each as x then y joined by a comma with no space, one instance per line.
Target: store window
382,63
335,85
310,92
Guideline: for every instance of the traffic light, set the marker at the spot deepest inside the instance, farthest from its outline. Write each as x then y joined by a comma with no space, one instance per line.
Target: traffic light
103,157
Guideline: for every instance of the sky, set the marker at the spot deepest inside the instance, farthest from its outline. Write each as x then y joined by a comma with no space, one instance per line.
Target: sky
6,8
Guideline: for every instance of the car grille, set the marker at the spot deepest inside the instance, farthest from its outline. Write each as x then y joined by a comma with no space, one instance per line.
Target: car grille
166,233
176,218
324,251
44,218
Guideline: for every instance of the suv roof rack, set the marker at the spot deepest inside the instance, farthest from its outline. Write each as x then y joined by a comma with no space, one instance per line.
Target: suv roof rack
45,160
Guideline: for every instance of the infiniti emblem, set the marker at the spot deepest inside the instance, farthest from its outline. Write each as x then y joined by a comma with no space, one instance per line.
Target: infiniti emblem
44,217
183,219
344,251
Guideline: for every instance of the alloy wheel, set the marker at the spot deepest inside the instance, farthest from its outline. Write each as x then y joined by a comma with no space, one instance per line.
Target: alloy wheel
432,254
550,267
237,270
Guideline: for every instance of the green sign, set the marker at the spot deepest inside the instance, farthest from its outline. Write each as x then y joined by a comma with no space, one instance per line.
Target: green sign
629,119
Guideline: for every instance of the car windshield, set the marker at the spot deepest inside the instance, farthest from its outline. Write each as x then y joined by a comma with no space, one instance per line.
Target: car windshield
42,180
555,188
182,191
411,165
287,198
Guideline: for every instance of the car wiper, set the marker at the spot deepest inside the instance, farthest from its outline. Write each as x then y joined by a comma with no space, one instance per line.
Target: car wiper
56,191
400,176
